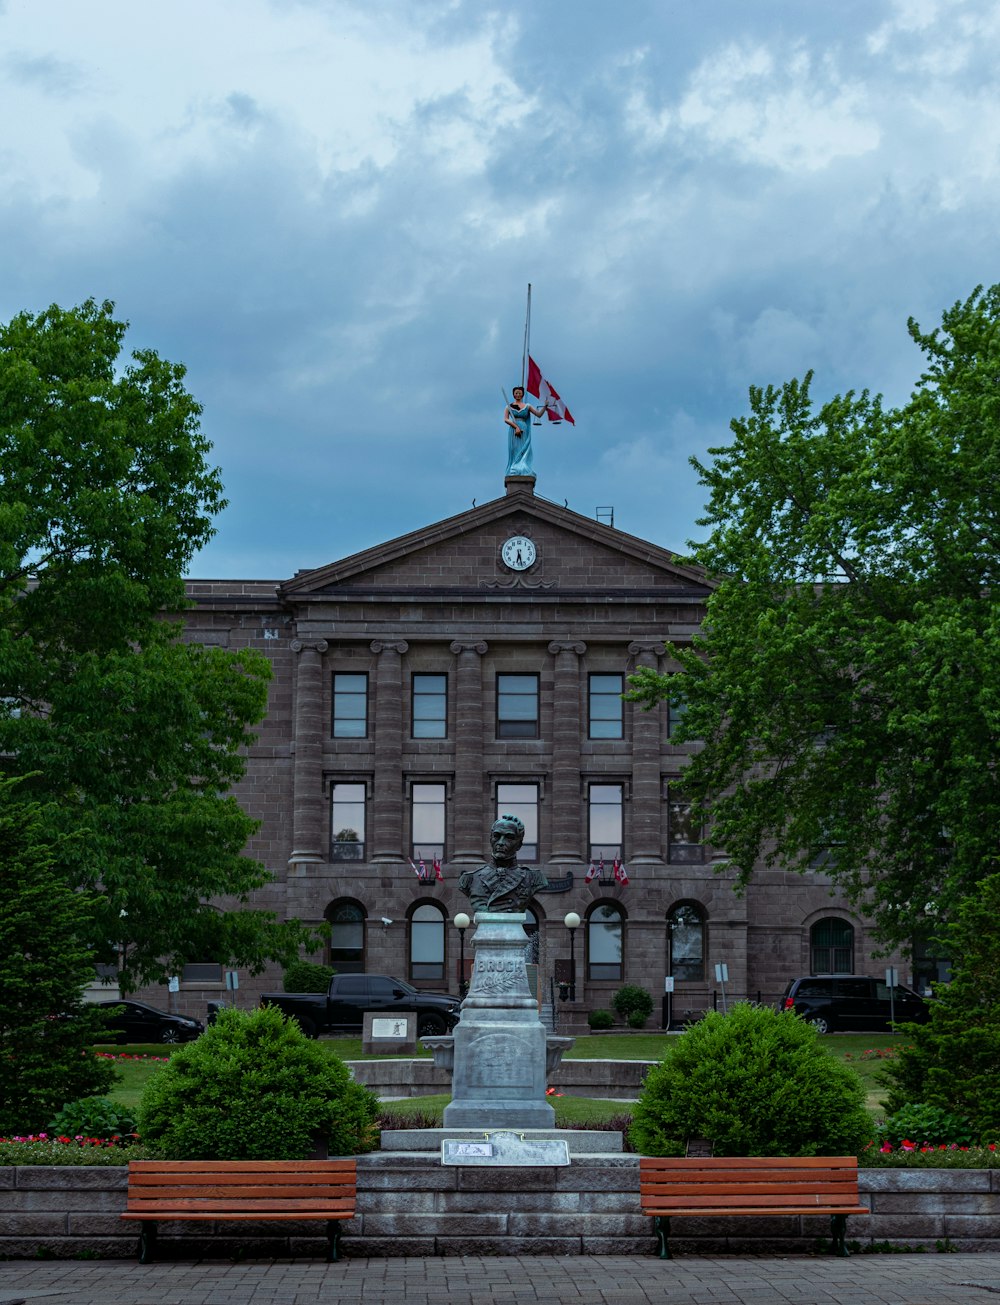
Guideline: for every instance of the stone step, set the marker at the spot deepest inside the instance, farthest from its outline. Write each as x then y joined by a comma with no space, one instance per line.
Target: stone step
582,1141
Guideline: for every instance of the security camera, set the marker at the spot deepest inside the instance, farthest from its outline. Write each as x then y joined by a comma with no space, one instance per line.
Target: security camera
386,921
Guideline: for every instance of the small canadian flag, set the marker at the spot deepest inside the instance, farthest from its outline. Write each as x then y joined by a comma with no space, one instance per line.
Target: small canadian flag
591,873
620,874
542,389
437,870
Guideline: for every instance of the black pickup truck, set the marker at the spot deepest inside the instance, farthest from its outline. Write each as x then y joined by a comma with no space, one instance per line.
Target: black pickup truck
342,1008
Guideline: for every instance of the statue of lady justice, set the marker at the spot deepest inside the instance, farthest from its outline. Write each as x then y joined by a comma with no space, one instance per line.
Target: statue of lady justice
517,416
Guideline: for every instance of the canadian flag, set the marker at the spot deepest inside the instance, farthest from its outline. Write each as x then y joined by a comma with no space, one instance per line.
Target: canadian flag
437,870
542,389
591,873
620,874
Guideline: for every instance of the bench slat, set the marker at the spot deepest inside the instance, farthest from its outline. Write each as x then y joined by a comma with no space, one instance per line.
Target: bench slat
273,1178
239,1166
748,1189
194,1216
736,1162
242,1191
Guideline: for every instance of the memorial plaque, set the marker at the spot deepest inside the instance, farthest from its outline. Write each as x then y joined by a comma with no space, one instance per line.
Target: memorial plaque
505,1149
392,1034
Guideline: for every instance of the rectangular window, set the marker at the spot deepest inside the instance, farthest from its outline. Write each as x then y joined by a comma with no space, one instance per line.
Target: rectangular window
605,807
350,705
517,706
521,800
201,972
427,814
347,822
430,706
606,706
683,836
675,714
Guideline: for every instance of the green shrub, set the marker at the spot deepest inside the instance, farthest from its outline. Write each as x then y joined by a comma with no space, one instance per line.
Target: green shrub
633,1001
600,1019
253,1087
307,976
92,1117
753,1082
924,1123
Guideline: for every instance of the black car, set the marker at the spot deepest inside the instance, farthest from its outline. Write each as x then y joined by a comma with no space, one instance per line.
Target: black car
137,1022
853,1001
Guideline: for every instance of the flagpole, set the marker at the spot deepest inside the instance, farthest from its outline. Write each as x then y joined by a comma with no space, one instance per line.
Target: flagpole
527,338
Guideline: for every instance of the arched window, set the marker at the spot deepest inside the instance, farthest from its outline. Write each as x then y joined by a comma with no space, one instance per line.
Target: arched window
532,948
427,942
605,941
686,942
347,936
831,946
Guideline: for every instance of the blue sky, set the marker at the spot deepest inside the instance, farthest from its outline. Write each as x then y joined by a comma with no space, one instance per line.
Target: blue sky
329,210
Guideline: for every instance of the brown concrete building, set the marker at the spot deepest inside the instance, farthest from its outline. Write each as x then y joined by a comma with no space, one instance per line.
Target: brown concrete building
475,667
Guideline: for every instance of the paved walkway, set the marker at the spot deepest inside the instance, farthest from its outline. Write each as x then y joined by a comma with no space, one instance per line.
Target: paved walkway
927,1279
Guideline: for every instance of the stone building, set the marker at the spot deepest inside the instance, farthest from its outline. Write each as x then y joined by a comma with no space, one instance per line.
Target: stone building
475,667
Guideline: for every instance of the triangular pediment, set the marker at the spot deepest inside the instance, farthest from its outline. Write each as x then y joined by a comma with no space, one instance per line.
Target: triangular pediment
573,553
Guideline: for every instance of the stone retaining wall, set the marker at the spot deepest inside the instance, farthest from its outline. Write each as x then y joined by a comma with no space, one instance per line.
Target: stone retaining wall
409,1204
617,1079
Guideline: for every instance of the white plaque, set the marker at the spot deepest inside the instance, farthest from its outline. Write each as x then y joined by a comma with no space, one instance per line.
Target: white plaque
387,1029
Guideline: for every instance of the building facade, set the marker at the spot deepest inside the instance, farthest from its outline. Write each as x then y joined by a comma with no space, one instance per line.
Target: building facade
474,667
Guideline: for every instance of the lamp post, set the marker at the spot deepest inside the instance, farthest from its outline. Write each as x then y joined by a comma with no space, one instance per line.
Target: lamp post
462,923
572,923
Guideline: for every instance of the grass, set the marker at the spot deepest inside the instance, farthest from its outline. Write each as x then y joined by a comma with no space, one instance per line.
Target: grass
569,1110
849,1047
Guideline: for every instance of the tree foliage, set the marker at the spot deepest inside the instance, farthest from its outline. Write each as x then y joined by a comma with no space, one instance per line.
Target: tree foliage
847,684
45,962
132,736
952,1063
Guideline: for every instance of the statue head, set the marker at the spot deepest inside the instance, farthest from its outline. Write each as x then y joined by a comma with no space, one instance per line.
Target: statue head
517,392
506,837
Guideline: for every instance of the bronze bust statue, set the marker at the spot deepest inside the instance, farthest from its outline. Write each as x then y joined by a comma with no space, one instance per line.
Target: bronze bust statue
503,885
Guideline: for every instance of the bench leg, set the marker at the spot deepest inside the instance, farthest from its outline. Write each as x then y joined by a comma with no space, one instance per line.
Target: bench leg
661,1226
147,1241
333,1240
838,1225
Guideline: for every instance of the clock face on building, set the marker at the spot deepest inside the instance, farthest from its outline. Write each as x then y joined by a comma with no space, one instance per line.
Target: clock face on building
518,553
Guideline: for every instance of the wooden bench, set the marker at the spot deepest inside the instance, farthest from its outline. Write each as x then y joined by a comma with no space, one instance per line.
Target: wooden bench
222,1190
761,1185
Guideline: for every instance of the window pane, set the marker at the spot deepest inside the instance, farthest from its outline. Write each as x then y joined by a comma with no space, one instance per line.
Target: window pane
347,824
687,943
430,706
201,972
427,811
427,943
606,706
604,943
521,800
605,821
350,706
517,706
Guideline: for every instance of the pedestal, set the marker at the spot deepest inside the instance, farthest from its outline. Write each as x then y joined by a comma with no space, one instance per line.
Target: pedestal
500,1053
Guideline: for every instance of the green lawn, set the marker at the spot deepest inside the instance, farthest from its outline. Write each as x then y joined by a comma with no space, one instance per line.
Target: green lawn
569,1110
640,1046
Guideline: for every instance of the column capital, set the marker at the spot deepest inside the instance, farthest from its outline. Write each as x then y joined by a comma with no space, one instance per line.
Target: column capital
389,645
479,646
656,646
568,645
309,645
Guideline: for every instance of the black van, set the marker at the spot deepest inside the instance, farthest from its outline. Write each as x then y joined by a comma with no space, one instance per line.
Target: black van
852,1001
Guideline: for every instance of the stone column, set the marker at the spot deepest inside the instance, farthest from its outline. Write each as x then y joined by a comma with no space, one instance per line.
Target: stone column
567,831
646,842
310,835
387,794
468,717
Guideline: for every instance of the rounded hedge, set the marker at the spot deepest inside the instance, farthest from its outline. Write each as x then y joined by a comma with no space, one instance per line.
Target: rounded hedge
753,1082
633,1004
253,1087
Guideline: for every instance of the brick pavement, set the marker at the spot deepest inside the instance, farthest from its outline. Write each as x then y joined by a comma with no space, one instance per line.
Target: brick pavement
614,1280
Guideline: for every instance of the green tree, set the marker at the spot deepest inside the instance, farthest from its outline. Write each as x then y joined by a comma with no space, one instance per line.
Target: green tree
133,737
46,959
847,684
953,1062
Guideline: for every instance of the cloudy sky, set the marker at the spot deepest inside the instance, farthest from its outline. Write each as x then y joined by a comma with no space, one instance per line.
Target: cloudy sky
329,210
